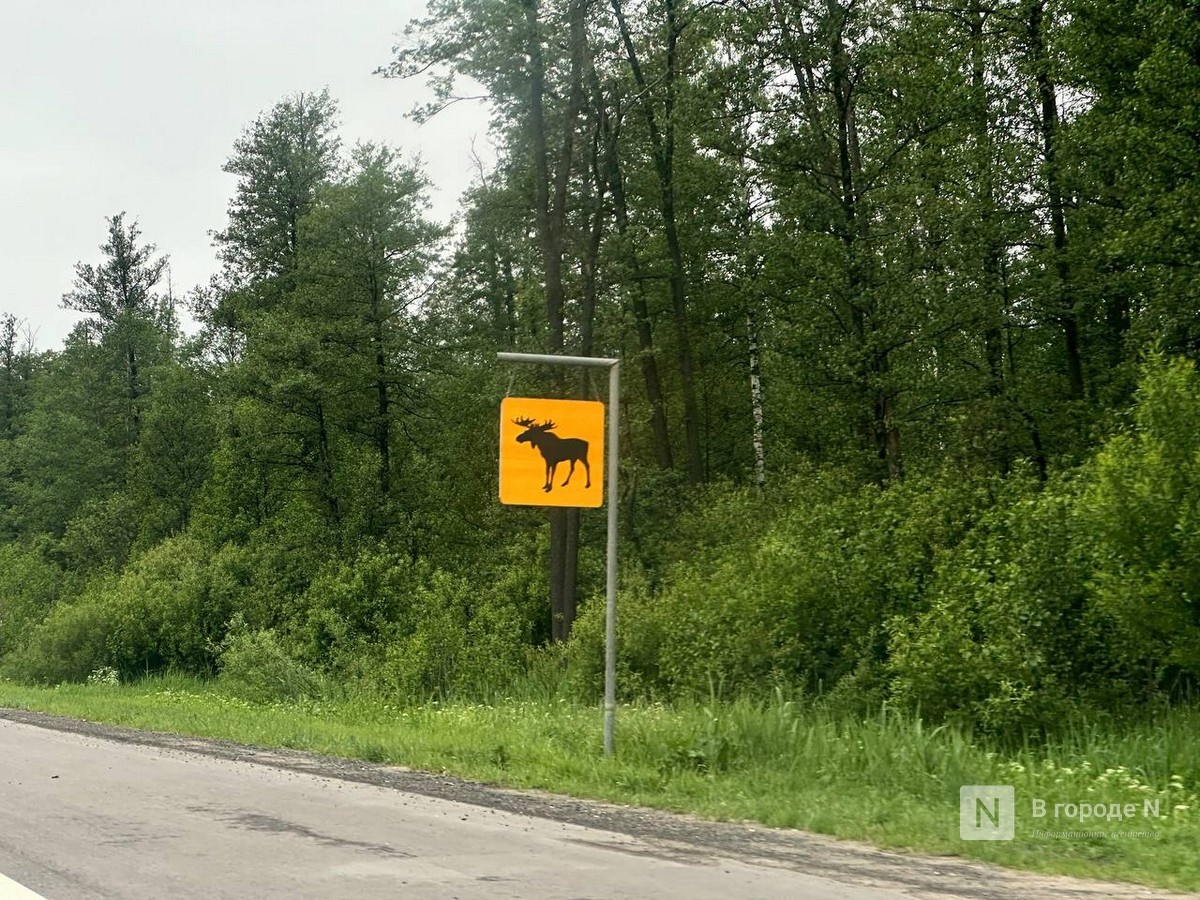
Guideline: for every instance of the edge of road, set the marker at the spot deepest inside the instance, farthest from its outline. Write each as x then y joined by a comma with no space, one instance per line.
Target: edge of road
675,835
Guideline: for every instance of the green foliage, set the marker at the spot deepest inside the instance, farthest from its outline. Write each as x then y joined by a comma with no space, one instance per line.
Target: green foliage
797,589
1081,594
163,613
70,449
1009,639
1142,507
101,534
71,642
255,666
458,640
280,162
173,459
29,586
938,280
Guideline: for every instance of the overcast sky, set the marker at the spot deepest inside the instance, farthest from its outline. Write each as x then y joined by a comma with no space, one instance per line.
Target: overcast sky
134,105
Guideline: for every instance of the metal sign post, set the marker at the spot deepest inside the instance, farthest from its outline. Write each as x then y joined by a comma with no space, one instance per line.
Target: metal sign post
610,609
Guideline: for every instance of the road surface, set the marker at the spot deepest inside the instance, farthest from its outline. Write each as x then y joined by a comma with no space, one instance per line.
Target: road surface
95,813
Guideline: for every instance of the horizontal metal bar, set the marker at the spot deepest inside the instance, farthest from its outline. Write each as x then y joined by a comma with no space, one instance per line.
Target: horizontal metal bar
598,362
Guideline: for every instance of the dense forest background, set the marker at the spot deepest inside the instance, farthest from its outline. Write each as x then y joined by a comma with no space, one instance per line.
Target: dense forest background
908,296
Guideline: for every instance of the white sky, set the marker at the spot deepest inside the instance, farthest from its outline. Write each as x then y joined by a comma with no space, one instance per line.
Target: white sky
134,105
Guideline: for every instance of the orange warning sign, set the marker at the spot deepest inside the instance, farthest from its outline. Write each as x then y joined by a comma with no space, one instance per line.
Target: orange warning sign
551,452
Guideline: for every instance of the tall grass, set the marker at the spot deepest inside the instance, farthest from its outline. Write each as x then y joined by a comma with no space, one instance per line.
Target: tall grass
782,761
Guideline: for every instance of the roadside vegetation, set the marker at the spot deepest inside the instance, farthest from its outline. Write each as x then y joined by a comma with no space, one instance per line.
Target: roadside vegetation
883,777
1001,603
834,658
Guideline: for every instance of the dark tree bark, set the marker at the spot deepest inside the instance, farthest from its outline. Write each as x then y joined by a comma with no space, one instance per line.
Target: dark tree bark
662,145
551,216
1048,124
647,359
383,422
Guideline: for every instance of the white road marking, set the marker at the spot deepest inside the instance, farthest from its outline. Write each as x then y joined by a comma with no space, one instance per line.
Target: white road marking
10,890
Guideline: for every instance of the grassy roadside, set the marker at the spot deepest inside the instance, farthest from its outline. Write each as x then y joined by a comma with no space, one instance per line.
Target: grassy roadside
886,780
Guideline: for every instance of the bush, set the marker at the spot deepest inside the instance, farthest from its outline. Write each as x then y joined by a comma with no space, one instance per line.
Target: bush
1010,639
458,641
70,643
1142,509
350,604
801,594
255,666
161,614
29,586
641,634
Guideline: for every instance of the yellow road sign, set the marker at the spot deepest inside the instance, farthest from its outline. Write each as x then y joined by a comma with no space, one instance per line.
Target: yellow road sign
551,452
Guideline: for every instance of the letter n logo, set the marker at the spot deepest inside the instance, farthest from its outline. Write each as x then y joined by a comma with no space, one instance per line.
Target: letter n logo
987,812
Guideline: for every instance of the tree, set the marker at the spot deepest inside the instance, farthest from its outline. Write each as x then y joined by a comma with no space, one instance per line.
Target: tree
280,161
118,296
16,370
1138,158
173,458
254,323
659,109
541,95
74,442
369,251
18,362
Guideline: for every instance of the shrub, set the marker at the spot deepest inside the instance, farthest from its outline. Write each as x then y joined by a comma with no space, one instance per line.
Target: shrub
352,603
641,633
255,666
1142,509
29,586
71,642
801,594
1010,639
458,641
160,614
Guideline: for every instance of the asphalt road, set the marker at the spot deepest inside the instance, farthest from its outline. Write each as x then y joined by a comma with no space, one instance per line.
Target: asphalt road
95,813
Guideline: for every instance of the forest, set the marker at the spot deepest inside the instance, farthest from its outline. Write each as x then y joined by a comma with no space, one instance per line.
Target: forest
907,296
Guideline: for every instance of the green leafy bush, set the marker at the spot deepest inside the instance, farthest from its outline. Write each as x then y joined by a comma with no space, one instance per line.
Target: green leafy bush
642,629
459,640
1010,638
255,666
29,586
71,642
1142,509
800,592
160,614
350,604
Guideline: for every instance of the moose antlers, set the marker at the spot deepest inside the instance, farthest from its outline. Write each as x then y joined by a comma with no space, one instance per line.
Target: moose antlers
533,425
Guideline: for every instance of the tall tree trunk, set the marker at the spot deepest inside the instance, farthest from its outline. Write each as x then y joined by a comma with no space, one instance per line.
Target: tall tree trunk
325,466
1048,122
1031,425
662,145
993,337
647,360
135,413
383,422
551,215
879,427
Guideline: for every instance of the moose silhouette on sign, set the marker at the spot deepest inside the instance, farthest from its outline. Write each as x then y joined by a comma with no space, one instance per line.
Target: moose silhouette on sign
554,450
